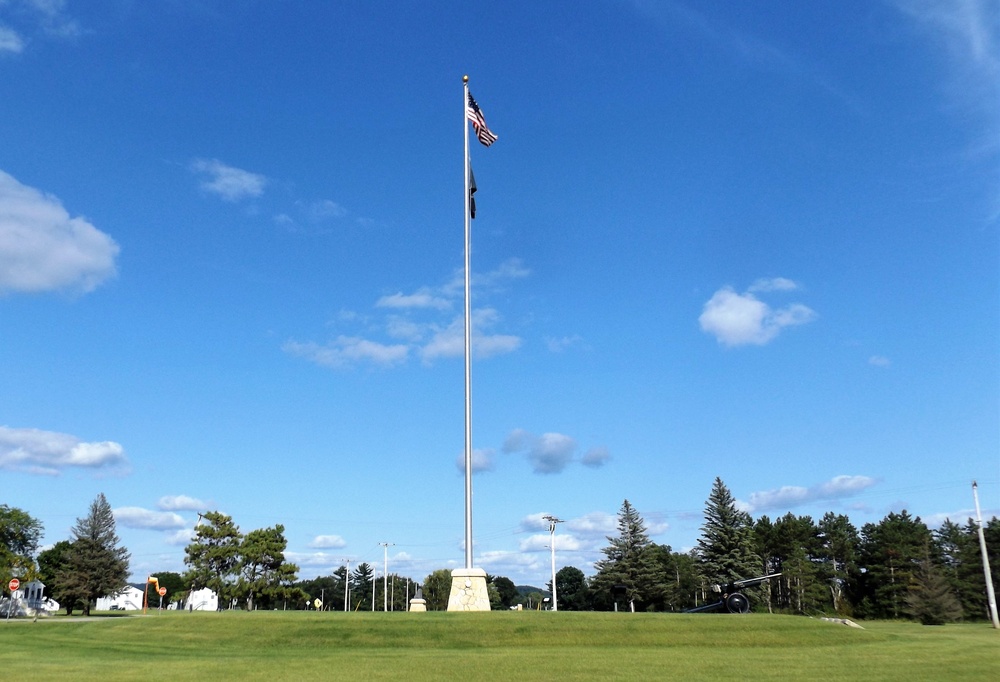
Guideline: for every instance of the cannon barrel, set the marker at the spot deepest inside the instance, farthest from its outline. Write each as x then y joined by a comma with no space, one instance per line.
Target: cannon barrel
750,582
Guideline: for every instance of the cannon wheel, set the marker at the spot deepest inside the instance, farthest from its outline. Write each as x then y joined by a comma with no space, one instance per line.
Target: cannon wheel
737,603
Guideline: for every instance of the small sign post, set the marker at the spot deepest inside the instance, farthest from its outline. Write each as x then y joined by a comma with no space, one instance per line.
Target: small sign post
13,585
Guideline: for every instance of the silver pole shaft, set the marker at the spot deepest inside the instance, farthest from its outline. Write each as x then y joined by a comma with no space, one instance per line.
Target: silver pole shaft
468,340
990,595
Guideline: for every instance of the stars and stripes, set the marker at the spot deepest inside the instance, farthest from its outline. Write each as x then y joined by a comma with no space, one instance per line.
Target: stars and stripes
475,115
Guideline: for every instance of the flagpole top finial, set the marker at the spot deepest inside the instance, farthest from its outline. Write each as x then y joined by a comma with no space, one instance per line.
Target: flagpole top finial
465,78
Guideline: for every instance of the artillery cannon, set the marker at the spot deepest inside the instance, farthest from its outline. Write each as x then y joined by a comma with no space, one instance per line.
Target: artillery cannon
733,600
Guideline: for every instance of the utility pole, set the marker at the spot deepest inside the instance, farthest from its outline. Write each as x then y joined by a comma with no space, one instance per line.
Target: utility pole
990,595
552,546
347,583
385,576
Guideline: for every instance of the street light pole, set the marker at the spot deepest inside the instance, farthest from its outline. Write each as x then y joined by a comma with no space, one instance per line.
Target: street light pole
991,598
552,547
347,583
385,574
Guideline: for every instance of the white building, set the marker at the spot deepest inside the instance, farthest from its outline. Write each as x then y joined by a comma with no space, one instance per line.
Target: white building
202,600
129,599
28,601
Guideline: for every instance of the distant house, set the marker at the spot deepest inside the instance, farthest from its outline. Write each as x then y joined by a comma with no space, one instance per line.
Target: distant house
202,600
129,599
28,601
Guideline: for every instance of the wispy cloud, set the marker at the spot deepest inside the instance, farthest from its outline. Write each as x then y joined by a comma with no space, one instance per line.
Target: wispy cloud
879,361
10,41
181,503
228,182
742,319
328,542
482,460
788,497
551,453
47,452
145,519
43,249
424,298
419,324
347,351
36,17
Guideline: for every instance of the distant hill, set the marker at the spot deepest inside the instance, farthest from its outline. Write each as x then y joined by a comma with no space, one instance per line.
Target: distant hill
525,590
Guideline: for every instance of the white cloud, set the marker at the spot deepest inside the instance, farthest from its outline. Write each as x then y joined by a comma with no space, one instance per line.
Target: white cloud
326,210
43,249
415,319
551,453
879,361
181,503
10,41
450,341
232,184
423,298
596,457
537,543
774,284
787,497
346,351
558,345
137,517
597,524
328,542
47,452
184,536
482,460
739,319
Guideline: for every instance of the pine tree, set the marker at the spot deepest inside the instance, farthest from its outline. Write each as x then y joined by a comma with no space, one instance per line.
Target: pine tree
726,546
889,551
628,563
214,555
96,565
929,598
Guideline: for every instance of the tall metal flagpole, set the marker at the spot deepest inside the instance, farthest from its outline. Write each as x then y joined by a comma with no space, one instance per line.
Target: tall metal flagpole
468,335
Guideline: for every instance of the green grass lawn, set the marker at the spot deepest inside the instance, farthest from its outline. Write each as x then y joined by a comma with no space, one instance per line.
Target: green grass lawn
501,645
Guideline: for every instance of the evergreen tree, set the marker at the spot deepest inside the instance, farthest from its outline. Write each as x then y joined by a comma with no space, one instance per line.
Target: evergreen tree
889,551
838,552
929,598
264,574
361,580
96,566
214,555
627,563
726,546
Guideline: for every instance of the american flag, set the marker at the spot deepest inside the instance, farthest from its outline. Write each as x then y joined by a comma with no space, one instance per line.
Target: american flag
485,135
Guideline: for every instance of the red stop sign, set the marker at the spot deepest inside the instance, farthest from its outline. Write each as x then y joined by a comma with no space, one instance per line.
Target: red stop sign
162,591
14,584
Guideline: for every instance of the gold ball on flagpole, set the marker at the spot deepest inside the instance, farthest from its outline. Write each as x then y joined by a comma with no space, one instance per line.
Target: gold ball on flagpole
465,79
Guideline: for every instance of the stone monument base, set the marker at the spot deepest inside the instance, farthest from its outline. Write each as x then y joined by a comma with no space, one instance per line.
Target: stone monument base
418,604
468,590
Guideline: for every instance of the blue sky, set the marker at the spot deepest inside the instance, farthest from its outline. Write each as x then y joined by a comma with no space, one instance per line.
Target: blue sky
756,243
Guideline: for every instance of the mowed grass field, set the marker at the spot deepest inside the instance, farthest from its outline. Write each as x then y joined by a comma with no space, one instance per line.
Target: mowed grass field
489,646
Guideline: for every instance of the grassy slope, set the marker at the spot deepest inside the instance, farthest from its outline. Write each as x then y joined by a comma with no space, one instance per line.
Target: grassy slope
522,646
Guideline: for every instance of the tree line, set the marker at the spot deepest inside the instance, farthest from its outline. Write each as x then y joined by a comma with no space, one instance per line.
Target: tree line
896,568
